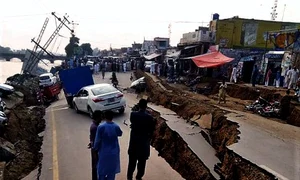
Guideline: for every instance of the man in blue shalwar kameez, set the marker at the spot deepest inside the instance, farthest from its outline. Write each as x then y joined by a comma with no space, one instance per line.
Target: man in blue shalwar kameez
108,148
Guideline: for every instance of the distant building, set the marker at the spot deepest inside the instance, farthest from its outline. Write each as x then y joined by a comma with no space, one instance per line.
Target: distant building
246,33
161,43
200,35
136,46
148,47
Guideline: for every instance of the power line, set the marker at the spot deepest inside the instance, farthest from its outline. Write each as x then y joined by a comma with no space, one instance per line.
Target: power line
26,15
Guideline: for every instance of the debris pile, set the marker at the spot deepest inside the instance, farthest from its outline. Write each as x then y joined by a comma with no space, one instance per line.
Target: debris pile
26,84
21,142
222,134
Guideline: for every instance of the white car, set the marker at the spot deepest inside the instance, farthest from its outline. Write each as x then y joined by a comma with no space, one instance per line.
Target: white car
99,97
47,79
90,64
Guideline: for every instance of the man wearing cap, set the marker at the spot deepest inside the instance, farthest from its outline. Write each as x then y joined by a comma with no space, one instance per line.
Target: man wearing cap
142,128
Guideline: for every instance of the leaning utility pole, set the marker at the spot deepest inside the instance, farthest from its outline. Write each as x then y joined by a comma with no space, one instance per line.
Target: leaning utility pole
35,58
35,46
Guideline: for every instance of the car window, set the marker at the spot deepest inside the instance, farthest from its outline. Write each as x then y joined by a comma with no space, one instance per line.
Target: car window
44,77
85,93
103,90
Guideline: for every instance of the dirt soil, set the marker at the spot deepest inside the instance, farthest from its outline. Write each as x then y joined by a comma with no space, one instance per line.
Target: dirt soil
240,95
223,131
24,126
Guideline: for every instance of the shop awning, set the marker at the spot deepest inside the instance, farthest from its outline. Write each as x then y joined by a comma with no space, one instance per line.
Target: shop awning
152,56
212,59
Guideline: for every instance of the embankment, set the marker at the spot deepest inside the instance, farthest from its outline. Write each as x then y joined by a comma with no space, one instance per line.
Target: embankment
24,126
245,92
222,133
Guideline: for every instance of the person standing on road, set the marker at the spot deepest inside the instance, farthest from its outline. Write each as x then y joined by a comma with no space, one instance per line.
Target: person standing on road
287,77
103,69
234,74
294,77
108,148
93,130
142,128
285,105
269,73
254,75
222,92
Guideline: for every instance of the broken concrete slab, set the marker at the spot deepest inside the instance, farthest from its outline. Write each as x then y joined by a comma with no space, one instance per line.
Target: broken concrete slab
196,117
192,136
205,121
281,156
19,94
7,150
2,168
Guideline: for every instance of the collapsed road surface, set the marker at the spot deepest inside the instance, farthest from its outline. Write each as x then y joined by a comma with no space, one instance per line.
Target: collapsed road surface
66,137
66,155
239,161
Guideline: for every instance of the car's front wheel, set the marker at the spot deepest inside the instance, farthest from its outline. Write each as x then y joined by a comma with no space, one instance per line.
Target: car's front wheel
75,107
121,111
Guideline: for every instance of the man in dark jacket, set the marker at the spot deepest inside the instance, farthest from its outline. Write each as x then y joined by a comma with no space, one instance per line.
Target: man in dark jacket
93,130
142,128
285,106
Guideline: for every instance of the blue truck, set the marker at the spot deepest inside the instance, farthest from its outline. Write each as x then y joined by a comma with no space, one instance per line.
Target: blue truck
73,80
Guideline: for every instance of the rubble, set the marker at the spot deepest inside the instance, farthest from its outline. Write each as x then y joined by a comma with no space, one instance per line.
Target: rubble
7,150
28,85
24,125
222,134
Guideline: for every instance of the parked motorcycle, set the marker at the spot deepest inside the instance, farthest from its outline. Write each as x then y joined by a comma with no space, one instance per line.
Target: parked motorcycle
265,108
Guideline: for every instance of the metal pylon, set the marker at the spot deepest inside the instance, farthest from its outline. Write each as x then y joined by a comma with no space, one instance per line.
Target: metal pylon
38,40
36,59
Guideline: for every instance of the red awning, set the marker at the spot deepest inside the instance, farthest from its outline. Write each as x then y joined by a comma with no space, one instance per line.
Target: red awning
211,60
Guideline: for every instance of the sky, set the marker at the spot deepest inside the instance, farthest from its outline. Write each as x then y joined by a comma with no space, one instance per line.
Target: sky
119,23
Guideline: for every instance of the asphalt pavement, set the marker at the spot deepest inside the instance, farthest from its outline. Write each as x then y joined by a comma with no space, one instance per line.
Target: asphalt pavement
66,156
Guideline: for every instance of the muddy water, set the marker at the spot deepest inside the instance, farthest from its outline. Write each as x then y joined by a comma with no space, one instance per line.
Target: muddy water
9,68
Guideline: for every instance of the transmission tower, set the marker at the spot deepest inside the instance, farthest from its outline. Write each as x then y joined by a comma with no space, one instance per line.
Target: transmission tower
39,37
35,56
274,11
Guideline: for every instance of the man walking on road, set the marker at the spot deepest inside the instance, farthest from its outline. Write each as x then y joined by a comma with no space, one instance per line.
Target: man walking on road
142,128
107,145
93,130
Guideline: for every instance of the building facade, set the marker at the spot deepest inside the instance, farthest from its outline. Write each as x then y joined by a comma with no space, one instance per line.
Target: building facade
246,33
161,44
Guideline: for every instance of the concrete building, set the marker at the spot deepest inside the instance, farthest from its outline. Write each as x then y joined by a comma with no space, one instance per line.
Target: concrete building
161,43
247,33
201,34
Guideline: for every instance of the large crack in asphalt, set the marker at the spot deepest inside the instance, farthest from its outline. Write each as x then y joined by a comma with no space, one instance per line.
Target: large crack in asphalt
223,133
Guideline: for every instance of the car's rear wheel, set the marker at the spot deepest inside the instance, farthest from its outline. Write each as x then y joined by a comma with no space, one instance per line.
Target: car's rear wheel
91,113
121,111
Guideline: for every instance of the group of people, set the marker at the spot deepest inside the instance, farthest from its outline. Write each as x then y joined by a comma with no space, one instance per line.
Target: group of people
105,149
291,78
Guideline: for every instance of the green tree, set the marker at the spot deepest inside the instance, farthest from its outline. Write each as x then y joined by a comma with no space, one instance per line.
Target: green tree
96,52
5,50
86,49
72,46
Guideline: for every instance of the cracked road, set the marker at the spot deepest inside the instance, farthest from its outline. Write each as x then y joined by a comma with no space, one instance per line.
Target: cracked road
66,156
